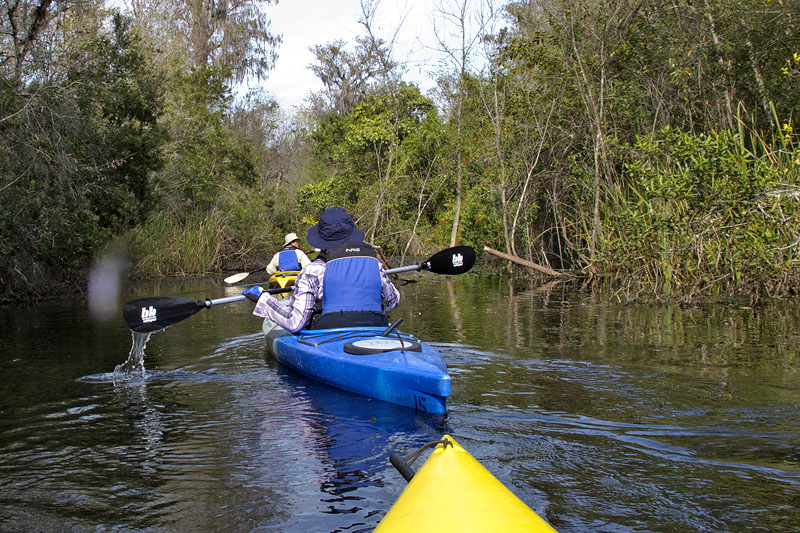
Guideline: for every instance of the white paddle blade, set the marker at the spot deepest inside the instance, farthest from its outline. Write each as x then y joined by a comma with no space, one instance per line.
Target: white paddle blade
236,278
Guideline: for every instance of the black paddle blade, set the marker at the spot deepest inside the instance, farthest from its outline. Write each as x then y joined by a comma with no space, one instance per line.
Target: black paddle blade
452,261
152,314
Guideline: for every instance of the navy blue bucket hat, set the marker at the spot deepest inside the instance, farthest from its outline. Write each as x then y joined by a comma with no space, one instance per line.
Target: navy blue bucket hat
335,227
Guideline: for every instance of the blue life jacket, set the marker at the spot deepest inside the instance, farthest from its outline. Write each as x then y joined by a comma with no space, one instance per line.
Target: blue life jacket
287,260
351,288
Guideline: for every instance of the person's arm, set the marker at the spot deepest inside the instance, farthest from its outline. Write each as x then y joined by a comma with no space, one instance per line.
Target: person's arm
389,293
302,258
272,267
296,315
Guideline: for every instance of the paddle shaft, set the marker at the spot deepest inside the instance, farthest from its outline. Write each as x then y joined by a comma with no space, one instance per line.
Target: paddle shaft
208,302
404,269
229,299
152,314
240,297
235,278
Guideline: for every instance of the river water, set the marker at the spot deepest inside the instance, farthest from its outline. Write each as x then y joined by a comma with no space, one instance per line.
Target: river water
600,417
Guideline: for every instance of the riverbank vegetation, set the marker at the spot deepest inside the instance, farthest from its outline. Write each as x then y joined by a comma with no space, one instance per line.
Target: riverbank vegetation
647,146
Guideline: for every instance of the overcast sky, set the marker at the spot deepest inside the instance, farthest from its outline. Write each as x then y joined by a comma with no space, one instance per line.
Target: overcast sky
305,23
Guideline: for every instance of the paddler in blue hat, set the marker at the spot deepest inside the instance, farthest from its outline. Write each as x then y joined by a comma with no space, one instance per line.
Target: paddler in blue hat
345,286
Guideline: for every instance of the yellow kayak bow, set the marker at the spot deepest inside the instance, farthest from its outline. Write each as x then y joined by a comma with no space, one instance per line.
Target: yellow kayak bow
452,491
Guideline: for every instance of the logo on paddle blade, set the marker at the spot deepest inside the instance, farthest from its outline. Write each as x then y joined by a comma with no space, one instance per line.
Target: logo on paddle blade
148,314
458,260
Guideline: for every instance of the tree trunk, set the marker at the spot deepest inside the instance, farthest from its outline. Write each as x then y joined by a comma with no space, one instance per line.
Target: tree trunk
528,264
762,87
726,64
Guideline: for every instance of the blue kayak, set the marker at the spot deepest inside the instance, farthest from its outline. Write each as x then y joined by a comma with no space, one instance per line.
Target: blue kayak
374,361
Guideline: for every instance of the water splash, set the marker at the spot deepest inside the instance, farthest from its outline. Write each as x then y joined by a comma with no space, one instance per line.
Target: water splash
133,368
132,373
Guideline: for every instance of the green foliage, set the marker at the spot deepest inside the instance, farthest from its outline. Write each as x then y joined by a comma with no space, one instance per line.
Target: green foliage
480,222
381,155
705,215
631,117
313,198
243,228
165,247
76,157
122,146
256,223
204,156
605,138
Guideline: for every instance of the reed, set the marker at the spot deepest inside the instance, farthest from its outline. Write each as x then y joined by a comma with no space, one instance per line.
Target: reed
701,216
166,247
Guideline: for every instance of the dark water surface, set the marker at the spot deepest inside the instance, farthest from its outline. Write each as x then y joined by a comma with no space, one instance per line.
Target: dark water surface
600,417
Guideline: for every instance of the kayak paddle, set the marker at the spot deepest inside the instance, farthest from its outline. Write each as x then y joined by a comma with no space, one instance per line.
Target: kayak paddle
450,262
146,315
236,278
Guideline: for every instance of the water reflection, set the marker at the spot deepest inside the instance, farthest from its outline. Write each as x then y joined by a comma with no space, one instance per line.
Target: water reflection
147,426
601,417
353,436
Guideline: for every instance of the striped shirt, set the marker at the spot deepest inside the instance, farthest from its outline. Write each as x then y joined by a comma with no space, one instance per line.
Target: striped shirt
296,315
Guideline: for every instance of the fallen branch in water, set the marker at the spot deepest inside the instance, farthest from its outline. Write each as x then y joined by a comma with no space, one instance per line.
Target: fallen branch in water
528,264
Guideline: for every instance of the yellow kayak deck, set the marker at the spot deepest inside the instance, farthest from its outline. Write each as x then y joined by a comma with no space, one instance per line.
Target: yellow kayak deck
452,491
284,278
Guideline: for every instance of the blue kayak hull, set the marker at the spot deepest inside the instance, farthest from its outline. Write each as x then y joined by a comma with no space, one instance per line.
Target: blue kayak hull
403,370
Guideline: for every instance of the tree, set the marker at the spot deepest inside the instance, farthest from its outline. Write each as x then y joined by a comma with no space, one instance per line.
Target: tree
456,14
232,36
79,143
348,77
23,23
278,140
205,156
376,160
